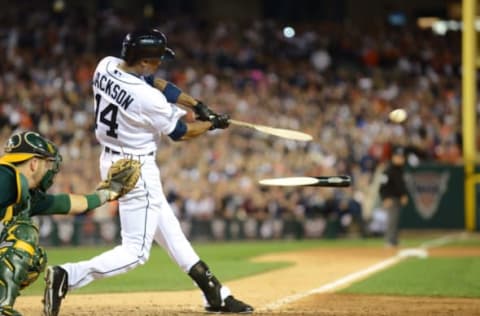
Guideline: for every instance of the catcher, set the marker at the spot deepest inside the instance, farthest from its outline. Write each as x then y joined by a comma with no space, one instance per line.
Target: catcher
27,170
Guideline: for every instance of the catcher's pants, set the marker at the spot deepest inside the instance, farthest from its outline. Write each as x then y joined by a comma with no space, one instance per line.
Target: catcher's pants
145,215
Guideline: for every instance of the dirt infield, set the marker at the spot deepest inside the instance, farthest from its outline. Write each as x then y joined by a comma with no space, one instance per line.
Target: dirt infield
312,269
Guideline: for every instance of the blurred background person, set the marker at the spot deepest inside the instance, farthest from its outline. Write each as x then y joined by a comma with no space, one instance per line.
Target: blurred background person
393,193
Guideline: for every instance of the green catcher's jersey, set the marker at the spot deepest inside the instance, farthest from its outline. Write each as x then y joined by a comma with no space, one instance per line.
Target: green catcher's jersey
16,198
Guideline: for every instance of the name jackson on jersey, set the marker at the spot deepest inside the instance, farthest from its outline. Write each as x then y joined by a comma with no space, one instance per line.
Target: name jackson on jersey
121,97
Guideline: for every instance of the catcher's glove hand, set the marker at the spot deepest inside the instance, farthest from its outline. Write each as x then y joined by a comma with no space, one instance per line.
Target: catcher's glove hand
121,179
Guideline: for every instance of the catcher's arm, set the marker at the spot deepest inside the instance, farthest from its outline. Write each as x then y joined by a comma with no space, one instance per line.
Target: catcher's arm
121,179
80,203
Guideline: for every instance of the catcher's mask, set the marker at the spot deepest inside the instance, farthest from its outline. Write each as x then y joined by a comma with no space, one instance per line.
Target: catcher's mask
26,145
145,43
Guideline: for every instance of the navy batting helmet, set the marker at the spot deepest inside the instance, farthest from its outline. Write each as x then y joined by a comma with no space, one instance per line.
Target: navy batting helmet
145,43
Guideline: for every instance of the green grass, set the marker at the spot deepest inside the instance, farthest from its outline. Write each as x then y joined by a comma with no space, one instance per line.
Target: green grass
227,260
437,276
231,260
452,277
465,243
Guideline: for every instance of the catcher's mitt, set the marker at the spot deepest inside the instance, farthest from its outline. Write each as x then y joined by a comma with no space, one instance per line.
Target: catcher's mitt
121,179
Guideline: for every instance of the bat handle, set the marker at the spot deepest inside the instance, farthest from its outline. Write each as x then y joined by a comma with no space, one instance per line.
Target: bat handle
240,123
335,181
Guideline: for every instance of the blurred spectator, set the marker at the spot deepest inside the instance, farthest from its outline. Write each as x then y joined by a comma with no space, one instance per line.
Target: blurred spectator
332,81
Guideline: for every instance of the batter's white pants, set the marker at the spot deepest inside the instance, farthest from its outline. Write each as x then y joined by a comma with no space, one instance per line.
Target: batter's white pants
145,215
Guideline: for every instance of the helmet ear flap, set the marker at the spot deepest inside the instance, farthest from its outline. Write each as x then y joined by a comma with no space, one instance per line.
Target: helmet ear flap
169,54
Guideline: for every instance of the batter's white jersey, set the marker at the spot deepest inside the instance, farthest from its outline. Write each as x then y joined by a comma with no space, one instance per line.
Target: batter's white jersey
129,113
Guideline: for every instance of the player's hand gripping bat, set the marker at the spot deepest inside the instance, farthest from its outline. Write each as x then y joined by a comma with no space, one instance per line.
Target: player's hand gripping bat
204,113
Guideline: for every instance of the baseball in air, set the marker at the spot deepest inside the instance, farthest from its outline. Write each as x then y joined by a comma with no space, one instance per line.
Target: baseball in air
398,115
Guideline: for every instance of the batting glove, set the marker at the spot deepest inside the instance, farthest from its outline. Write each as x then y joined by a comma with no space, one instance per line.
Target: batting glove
203,112
220,121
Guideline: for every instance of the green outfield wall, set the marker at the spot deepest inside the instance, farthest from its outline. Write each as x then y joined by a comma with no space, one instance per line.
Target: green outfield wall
436,197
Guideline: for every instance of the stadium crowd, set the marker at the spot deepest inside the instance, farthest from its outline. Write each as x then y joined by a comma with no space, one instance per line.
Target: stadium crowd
336,82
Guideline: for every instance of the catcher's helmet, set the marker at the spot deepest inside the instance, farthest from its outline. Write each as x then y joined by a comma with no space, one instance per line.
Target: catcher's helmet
145,43
25,145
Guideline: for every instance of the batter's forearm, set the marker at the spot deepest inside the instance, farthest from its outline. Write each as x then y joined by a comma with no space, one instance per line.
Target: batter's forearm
175,95
187,100
160,84
196,128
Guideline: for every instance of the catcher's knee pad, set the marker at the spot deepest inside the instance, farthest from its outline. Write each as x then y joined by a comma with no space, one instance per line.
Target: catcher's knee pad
18,245
21,234
39,263
207,282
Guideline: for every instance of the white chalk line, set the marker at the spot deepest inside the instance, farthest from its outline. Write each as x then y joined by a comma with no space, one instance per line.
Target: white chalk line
438,242
350,278
335,284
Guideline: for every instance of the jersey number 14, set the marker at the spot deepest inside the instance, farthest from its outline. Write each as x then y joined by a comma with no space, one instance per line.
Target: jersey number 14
108,116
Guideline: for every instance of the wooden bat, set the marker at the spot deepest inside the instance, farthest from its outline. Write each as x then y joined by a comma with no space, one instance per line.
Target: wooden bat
280,132
326,181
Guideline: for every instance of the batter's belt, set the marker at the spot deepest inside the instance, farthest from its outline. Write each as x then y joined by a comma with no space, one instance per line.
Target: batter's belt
108,150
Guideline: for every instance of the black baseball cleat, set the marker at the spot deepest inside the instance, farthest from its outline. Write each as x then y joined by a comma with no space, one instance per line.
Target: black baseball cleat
56,288
231,305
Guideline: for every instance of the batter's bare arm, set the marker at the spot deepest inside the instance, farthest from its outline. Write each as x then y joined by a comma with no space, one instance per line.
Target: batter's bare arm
183,98
175,95
195,129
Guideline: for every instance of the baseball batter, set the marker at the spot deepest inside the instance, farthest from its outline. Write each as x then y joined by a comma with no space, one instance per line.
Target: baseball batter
131,113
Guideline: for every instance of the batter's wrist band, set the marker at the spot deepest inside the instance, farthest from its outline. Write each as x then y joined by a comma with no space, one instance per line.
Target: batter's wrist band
172,92
93,201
